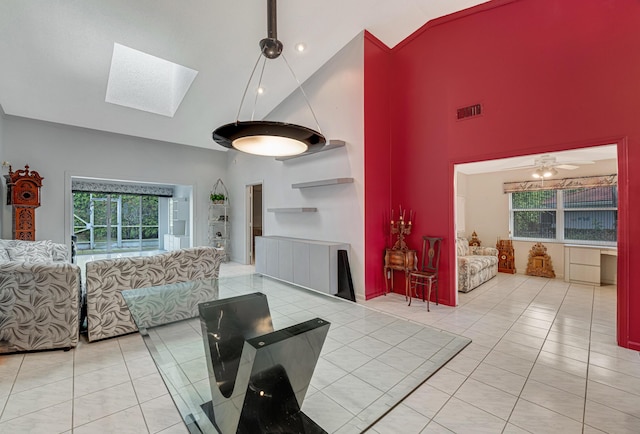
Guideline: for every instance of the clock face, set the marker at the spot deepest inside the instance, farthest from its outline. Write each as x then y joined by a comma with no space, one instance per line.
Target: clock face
25,193
503,257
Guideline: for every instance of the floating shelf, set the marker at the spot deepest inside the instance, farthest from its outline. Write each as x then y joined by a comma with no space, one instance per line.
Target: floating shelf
292,209
333,181
331,144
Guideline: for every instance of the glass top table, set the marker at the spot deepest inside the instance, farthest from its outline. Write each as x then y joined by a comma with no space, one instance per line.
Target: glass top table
369,360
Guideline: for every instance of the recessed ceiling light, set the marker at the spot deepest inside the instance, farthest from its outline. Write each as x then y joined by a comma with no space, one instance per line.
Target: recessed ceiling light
300,47
144,82
260,90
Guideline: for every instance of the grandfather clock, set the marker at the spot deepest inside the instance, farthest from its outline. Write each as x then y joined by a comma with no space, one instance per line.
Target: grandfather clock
23,193
506,256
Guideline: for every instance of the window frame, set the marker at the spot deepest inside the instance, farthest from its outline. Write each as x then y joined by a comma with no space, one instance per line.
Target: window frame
560,221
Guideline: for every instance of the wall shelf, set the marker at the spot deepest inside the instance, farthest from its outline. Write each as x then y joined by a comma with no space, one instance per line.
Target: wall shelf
292,210
331,144
333,181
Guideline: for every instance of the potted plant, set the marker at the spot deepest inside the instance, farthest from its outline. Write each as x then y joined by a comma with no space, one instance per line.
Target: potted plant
217,198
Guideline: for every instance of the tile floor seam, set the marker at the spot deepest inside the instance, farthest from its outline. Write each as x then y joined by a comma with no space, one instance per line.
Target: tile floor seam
73,428
586,383
73,384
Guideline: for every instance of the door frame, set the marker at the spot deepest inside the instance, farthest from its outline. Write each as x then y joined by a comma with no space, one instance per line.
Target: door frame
249,205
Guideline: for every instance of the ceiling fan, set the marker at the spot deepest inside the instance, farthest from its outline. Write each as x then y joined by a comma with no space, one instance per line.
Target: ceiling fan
546,166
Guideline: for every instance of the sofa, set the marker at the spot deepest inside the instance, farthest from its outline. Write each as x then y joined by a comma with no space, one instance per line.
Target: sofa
107,312
476,264
39,296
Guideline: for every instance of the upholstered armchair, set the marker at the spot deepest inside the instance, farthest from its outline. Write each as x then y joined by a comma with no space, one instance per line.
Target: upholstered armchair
39,296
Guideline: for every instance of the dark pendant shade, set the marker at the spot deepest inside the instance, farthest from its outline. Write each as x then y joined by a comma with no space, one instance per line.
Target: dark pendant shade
268,138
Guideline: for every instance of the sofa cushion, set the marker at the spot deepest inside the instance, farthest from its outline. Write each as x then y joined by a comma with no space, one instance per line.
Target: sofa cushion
477,263
462,246
31,252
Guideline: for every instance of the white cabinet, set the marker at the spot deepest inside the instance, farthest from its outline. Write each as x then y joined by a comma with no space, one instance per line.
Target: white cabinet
309,263
583,264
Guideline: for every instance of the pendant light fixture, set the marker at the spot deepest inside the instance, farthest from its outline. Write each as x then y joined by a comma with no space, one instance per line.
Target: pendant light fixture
270,138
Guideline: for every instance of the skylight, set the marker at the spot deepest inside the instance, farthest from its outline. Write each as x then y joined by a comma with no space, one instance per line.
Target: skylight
144,82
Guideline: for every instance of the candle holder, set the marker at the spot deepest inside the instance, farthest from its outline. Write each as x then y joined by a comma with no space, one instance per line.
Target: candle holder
401,228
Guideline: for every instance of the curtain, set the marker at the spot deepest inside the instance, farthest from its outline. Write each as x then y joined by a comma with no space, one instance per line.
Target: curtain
561,184
109,187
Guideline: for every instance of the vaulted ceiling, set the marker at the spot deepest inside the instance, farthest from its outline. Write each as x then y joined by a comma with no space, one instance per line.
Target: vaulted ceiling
55,55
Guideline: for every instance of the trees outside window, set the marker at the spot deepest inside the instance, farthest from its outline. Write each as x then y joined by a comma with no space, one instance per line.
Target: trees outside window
577,215
105,221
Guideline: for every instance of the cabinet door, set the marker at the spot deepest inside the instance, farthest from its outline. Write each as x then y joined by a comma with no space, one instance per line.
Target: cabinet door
271,257
261,263
285,258
301,264
319,274
584,273
585,256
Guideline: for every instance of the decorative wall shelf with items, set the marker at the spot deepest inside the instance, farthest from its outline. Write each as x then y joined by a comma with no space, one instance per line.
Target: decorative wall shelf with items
219,225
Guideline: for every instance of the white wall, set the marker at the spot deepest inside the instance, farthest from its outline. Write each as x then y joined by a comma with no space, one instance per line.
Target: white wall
336,93
58,152
487,209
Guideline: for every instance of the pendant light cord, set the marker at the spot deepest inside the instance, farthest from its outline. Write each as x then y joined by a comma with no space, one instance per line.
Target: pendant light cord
303,93
255,100
244,94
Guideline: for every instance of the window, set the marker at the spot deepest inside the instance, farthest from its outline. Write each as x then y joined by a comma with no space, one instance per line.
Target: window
111,221
574,215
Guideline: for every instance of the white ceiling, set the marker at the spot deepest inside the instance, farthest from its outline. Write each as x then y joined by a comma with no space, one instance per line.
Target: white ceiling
55,54
577,157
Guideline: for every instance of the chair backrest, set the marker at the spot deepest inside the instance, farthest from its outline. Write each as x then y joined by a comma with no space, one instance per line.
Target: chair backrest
430,254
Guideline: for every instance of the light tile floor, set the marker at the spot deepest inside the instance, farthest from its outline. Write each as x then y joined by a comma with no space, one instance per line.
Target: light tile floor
543,360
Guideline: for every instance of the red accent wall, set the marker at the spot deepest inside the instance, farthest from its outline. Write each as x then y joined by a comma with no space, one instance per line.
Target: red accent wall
550,75
377,184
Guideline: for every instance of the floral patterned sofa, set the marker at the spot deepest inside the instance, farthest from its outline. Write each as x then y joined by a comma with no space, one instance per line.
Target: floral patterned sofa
39,296
107,312
476,264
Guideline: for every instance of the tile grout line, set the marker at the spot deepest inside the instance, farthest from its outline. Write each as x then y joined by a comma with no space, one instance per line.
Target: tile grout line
586,383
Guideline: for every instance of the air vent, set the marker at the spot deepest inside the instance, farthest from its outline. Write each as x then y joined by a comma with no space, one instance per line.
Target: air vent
469,111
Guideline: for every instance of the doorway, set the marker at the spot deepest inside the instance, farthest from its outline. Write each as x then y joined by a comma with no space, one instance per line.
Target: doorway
481,205
254,220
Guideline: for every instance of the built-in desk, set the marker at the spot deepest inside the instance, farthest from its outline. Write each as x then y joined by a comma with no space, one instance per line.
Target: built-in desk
591,265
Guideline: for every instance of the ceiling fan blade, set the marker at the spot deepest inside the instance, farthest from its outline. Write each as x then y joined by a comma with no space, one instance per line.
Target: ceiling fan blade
566,166
528,166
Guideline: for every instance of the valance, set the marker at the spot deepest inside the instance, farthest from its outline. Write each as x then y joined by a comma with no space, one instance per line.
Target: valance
562,184
106,187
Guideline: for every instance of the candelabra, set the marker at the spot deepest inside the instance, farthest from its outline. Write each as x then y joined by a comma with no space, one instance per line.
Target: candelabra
402,228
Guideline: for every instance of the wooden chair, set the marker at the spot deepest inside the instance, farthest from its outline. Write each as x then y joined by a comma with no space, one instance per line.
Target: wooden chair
427,275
